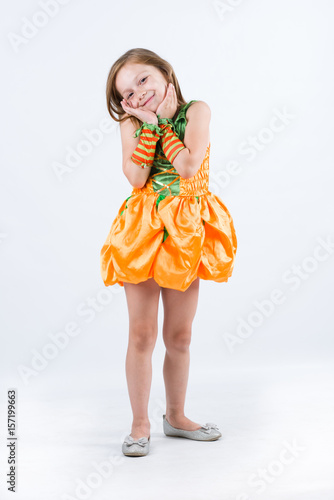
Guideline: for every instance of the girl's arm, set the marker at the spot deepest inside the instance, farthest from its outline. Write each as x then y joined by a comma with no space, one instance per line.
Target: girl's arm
135,175
196,140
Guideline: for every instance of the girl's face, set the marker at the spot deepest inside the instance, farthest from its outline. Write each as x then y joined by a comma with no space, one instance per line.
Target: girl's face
138,83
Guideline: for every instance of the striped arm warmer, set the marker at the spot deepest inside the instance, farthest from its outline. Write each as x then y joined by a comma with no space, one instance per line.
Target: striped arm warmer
143,155
170,143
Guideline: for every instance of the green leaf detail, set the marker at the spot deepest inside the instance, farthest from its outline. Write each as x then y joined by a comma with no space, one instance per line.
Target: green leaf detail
160,197
126,206
166,233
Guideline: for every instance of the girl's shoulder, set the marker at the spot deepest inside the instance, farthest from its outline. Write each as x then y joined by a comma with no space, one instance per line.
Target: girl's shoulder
197,109
193,108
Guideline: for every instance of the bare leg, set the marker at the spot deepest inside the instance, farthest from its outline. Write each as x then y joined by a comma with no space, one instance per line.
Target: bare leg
143,301
179,312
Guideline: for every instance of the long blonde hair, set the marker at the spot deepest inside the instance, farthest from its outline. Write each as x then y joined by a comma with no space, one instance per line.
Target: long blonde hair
142,56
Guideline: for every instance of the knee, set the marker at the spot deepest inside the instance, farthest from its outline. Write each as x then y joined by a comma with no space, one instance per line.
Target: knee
177,340
143,336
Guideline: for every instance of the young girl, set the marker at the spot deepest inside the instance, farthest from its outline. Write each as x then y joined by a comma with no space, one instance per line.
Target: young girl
170,232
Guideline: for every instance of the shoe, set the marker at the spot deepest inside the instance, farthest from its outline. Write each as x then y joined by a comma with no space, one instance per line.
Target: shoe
208,431
139,448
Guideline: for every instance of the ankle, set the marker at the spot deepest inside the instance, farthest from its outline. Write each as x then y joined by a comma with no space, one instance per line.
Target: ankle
142,429
175,415
141,424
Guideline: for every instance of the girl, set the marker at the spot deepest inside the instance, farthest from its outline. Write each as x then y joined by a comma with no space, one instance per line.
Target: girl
170,232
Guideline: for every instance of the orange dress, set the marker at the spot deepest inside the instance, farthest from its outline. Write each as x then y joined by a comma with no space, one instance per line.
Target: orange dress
172,229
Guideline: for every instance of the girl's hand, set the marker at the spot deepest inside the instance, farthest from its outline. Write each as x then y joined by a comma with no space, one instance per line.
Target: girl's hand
144,115
167,108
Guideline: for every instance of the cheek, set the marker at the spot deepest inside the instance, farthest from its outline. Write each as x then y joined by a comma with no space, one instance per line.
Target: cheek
161,88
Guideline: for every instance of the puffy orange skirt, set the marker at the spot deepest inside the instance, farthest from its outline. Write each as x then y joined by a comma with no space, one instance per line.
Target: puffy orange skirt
172,238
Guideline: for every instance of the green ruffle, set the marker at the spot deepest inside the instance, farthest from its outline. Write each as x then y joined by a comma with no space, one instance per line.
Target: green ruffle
151,126
162,121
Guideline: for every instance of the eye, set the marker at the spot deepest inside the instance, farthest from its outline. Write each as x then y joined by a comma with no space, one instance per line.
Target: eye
140,82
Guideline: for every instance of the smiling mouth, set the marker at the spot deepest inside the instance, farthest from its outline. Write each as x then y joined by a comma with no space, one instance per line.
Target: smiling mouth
148,100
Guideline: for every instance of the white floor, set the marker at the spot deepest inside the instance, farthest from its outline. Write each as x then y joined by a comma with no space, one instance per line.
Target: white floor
277,444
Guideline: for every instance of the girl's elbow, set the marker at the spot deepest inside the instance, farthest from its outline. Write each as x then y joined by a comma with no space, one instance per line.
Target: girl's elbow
136,179
186,174
189,171
136,183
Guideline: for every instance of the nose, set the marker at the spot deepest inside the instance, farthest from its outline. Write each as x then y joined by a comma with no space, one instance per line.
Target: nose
142,99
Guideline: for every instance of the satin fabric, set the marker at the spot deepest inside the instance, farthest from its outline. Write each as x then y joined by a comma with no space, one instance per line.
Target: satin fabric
172,229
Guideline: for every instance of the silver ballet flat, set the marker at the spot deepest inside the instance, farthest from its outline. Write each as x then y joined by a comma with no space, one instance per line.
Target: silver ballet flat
138,448
208,431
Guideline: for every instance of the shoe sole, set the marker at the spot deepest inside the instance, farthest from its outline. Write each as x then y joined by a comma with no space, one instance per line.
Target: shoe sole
135,454
193,439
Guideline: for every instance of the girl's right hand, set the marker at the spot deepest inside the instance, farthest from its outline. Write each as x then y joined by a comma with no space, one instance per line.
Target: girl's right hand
144,115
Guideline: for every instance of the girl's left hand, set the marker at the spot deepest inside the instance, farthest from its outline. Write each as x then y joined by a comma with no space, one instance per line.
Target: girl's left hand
167,108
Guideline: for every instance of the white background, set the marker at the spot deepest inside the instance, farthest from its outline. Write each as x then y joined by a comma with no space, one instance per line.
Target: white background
250,61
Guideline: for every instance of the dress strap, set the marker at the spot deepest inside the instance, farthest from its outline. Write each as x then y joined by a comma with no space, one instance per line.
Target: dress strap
180,121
